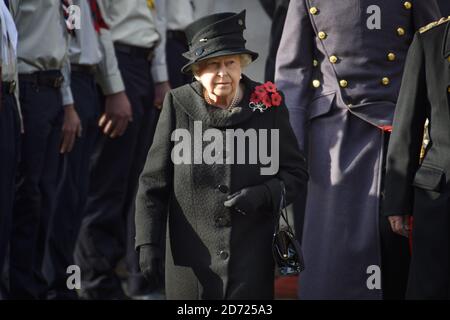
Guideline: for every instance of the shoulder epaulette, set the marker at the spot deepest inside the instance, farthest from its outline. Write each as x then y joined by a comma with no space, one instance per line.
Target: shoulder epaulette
434,24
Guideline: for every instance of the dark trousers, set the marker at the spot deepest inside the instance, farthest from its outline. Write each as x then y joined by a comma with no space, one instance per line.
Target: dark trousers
36,188
117,164
395,255
176,45
9,156
429,275
72,189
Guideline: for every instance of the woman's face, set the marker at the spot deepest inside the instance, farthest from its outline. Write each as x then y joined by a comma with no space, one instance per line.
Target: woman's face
220,76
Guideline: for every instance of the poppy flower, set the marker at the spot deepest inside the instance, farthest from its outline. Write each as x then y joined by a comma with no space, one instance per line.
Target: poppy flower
267,101
254,98
270,87
260,90
276,99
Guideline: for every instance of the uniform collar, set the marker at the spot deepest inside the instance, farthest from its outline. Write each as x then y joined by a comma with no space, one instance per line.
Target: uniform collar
197,108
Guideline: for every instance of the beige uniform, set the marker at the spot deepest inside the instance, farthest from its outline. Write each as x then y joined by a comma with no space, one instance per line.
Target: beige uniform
43,39
131,23
93,48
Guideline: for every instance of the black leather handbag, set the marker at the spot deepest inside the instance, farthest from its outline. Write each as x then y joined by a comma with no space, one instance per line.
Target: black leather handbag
285,246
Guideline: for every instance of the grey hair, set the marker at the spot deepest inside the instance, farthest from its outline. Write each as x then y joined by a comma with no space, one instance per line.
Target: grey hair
245,58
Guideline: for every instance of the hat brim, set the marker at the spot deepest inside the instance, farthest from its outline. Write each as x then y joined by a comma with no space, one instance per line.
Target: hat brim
187,68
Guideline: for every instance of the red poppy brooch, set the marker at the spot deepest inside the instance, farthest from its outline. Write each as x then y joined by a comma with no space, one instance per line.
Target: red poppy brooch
264,97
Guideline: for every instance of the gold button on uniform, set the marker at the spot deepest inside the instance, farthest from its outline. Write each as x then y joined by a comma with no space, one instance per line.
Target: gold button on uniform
448,59
385,81
316,83
408,5
391,56
314,10
448,89
322,35
333,59
343,83
315,63
401,31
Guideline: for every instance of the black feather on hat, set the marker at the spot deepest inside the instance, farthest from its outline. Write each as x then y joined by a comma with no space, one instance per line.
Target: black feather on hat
216,35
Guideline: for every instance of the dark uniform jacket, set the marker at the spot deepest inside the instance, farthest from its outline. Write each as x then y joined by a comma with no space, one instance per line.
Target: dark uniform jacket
340,65
212,251
425,94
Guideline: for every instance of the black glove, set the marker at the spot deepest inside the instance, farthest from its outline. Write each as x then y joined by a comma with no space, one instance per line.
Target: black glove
250,200
150,263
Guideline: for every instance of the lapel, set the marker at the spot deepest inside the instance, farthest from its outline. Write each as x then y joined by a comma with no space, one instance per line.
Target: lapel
190,100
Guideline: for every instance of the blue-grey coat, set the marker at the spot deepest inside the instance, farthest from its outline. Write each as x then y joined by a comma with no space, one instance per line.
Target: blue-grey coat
340,65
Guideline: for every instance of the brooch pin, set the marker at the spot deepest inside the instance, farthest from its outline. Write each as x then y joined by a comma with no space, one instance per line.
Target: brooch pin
264,97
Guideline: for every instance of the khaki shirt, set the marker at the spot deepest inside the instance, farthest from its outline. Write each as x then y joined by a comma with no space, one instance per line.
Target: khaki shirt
9,66
88,47
132,23
43,39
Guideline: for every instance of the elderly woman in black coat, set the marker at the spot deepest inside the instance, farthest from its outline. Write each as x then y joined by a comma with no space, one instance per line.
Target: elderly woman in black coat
222,154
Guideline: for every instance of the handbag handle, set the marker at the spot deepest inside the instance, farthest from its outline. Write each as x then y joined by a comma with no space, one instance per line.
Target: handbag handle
282,211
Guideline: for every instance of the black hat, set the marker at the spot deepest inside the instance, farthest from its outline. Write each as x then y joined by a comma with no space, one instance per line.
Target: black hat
216,35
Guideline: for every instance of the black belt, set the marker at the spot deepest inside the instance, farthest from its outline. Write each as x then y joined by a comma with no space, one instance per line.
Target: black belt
177,35
53,79
83,68
8,87
136,52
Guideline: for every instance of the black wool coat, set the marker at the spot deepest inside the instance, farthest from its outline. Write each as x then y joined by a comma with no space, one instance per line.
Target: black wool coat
213,252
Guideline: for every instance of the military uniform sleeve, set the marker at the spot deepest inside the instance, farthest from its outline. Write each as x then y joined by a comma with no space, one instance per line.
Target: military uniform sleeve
406,140
156,181
294,66
292,162
159,65
424,12
108,74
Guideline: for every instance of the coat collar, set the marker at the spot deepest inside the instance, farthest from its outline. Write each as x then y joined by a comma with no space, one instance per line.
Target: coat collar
198,110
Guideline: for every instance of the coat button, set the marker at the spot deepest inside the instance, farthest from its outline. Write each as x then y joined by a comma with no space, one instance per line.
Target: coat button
322,35
343,83
333,59
385,81
223,188
391,56
314,10
400,31
407,5
448,89
316,83
223,255
315,63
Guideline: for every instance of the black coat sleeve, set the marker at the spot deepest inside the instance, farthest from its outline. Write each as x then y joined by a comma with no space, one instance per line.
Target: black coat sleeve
407,134
292,162
156,181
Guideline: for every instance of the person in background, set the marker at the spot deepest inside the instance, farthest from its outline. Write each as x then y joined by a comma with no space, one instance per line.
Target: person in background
340,66
51,124
276,10
9,129
92,57
420,186
107,229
